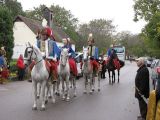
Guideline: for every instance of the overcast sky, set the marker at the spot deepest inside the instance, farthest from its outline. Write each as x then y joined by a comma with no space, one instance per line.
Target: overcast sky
120,11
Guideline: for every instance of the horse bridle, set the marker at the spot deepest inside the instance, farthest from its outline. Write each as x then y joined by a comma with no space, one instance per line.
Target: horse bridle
32,51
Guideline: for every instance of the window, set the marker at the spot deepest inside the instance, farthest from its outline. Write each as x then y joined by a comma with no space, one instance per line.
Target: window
119,50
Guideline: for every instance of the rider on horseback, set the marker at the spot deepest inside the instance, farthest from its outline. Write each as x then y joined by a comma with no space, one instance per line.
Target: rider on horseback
49,49
72,54
93,53
114,59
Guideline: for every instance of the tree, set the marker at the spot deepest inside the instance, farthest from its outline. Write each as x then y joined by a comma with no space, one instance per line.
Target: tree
36,14
102,31
145,9
15,7
6,31
152,30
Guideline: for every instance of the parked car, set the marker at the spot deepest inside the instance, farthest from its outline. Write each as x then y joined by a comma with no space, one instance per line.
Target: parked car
78,58
154,74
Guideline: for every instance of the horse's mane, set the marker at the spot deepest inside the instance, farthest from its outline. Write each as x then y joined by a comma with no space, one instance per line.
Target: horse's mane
36,49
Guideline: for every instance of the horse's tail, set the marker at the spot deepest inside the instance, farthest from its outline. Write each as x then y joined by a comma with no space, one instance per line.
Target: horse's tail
121,63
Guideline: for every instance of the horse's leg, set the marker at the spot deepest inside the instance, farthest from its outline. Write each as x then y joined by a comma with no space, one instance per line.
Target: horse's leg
90,82
57,87
53,94
118,74
99,78
39,90
43,94
74,85
71,81
93,83
46,93
113,76
85,84
35,95
109,73
63,90
67,86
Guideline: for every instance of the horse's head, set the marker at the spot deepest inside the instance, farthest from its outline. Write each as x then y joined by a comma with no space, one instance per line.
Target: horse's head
31,53
64,56
85,54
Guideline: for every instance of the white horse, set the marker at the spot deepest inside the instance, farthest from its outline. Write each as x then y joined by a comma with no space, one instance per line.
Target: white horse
88,72
64,72
39,74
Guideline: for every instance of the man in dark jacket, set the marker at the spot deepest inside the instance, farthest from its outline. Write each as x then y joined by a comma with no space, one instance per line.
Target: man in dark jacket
142,87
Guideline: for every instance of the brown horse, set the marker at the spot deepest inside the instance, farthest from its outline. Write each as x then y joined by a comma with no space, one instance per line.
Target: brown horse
113,64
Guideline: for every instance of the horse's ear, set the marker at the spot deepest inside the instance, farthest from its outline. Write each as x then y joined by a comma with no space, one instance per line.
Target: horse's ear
29,44
26,44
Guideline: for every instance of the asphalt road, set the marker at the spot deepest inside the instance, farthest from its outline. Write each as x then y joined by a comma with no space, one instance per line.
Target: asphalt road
113,102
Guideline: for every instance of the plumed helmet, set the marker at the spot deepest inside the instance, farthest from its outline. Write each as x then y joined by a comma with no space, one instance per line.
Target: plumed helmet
46,32
111,46
90,38
49,31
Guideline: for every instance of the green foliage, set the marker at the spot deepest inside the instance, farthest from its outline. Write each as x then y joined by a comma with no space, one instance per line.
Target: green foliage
149,10
13,67
6,31
36,14
152,30
15,7
102,31
145,9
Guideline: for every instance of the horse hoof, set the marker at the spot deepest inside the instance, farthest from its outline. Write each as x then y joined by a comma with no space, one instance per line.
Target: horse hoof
43,109
70,86
58,94
67,99
90,92
38,97
63,98
99,90
34,108
85,92
46,101
53,101
75,95
93,90
50,97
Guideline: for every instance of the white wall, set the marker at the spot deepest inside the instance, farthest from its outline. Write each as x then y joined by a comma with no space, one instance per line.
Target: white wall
22,35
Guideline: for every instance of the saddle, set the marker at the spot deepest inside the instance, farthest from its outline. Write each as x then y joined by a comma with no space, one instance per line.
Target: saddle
95,65
116,64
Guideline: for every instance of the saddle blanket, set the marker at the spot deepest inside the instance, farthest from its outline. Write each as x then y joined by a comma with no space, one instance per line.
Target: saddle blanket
73,66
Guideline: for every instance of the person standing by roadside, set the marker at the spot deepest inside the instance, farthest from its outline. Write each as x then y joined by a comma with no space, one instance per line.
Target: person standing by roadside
142,87
21,68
